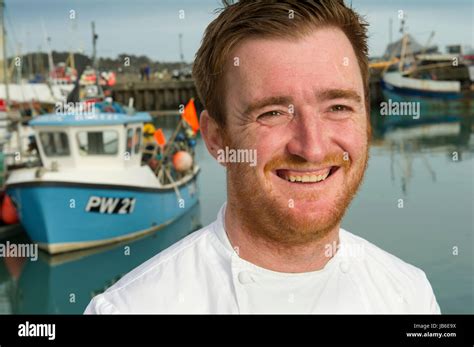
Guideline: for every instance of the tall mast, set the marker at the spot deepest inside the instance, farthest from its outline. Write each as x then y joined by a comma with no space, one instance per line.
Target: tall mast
181,55
95,63
3,54
404,45
94,42
390,28
48,46
72,62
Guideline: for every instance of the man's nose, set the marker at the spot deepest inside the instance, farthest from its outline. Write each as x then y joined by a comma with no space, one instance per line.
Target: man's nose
309,139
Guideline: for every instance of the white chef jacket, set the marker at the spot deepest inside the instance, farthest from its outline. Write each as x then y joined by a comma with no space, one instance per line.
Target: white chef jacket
202,273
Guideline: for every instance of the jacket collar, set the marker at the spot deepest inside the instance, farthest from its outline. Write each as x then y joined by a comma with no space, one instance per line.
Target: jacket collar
219,229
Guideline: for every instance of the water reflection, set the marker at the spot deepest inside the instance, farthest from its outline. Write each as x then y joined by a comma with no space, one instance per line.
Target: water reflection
417,198
444,128
66,283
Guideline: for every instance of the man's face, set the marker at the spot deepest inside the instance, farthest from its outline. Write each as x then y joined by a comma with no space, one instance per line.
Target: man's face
300,104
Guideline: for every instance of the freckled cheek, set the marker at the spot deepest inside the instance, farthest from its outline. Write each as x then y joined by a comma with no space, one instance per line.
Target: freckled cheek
352,139
269,144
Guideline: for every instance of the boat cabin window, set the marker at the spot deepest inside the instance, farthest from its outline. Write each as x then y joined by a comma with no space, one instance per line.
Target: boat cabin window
55,144
129,143
137,141
98,142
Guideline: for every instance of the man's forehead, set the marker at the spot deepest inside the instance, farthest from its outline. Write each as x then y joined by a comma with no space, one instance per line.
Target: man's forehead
320,46
325,59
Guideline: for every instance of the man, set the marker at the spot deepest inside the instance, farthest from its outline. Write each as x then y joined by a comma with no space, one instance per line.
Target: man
289,82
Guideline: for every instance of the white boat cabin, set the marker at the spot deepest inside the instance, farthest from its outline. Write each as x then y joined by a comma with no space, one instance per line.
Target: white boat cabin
90,140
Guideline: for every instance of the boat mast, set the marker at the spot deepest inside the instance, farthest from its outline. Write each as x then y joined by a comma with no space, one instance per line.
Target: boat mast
50,53
404,45
181,55
94,43
15,121
4,54
425,48
71,61
95,63
390,27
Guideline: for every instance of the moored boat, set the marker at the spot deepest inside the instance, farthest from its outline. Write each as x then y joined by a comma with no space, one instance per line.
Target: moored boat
405,85
92,187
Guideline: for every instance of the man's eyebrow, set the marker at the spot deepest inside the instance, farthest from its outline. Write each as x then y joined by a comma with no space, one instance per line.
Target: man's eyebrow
326,94
271,100
330,94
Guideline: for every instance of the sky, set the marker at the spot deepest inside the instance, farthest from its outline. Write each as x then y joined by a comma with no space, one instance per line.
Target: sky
152,27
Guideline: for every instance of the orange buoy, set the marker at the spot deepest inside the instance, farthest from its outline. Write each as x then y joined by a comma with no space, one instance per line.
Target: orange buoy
9,215
182,161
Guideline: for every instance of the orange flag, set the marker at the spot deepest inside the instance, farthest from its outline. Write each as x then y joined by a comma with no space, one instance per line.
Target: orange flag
190,115
159,137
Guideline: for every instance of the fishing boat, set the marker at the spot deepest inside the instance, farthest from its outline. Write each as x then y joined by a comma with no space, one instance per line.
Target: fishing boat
423,72
431,76
405,85
438,101
432,87
92,187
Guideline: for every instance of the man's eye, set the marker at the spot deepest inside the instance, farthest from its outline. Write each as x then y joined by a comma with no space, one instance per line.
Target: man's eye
340,108
272,118
270,114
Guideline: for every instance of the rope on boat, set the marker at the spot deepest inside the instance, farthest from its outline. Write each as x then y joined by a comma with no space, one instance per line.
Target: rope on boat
176,190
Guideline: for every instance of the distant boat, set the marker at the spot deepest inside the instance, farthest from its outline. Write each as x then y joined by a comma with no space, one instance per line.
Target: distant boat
405,85
86,193
443,92
423,72
433,76
438,101
439,87
26,93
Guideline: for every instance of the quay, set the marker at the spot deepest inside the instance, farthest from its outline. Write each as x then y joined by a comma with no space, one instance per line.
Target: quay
156,97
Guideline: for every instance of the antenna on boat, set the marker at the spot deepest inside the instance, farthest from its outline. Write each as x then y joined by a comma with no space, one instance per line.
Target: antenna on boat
94,53
95,62
48,46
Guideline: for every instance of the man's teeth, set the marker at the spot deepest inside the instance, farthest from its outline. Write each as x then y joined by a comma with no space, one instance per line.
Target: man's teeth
307,178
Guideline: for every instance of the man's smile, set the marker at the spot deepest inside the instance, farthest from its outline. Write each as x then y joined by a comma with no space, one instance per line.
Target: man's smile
306,176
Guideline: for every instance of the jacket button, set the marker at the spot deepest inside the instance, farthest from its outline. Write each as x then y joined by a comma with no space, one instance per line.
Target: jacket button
344,266
245,277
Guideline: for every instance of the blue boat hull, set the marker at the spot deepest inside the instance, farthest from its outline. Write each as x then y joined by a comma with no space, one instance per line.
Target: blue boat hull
435,107
410,93
66,216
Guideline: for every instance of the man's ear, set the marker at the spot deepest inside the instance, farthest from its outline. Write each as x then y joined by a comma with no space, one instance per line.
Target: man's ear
212,134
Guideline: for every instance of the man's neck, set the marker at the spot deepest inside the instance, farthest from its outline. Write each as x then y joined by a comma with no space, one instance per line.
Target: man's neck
270,255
